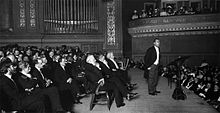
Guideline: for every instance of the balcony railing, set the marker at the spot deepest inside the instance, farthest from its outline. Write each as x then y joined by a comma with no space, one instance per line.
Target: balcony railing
175,25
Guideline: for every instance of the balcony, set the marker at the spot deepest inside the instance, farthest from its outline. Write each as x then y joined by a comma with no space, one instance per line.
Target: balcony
175,25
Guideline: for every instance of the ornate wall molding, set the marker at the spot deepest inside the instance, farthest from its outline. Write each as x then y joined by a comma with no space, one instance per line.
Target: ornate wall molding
175,20
180,25
32,13
22,14
111,33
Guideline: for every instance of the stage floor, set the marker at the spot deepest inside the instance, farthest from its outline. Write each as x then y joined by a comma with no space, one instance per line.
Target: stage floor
144,103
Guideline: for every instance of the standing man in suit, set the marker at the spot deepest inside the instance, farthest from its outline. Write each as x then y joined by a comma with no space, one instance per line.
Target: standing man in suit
151,60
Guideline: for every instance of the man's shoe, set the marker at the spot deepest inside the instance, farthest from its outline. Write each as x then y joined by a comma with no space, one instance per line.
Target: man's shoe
81,95
130,88
64,112
133,85
153,94
69,112
77,102
157,91
121,105
131,96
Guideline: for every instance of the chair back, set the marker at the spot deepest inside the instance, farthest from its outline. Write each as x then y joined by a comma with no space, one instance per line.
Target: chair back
100,97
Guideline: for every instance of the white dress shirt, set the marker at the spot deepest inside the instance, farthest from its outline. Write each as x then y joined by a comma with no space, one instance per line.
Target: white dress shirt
116,65
40,72
157,59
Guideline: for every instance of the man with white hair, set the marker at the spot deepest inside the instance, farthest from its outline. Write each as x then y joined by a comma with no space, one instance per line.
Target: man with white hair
95,77
2,56
122,73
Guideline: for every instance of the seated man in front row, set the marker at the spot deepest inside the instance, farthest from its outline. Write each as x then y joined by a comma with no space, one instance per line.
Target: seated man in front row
122,74
95,77
15,100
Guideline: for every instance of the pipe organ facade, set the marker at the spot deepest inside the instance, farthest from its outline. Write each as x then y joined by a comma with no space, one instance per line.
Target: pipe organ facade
89,24
71,16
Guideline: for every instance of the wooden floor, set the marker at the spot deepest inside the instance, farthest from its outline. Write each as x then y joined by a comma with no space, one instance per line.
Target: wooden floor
162,103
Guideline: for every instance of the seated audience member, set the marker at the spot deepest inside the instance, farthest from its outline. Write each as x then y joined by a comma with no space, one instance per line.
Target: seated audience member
45,84
170,10
122,73
32,85
2,56
12,58
150,12
163,12
95,77
13,99
78,73
143,14
212,92
131,63
64,81
110,76
135,15
156,12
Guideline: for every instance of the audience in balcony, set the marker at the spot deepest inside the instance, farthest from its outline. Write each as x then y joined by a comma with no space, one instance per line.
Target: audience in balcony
135,15
170,11
143,14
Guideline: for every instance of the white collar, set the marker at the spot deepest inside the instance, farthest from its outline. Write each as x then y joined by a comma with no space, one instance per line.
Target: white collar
27,75
156,47
9,76
37,68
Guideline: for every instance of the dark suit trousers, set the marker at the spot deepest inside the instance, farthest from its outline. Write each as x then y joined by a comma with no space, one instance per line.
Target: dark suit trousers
118,83
123,76
153,79
53,95
33,104
112,87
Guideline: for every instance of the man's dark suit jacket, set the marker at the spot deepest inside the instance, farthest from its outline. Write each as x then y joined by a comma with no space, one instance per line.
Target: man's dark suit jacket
150,56
122,74
61,76
10,92
111,76
36,73
93,74
111,64
13,99
106,72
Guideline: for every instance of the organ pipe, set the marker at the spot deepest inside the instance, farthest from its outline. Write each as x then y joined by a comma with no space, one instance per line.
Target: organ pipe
70,16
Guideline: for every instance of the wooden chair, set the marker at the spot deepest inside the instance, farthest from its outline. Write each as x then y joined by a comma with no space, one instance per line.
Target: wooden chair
124,63
101,97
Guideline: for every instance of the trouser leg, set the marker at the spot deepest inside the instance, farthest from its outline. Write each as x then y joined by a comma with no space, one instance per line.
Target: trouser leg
152,79
53,95
123,90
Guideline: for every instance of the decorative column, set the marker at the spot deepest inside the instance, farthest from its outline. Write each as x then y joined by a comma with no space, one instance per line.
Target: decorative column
113,38
111,35
32,14
22,16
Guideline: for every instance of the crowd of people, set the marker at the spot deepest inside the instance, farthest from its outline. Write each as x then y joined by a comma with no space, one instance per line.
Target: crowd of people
202,80
169,11
53,79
